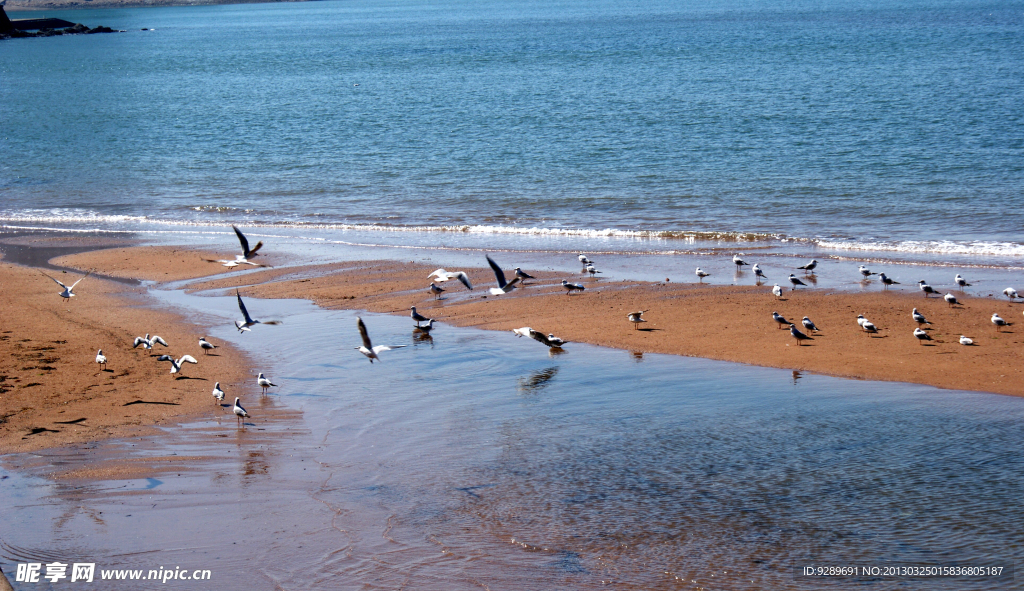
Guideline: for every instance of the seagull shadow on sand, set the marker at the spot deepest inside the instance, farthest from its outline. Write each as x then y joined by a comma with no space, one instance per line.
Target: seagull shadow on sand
191,378
648,329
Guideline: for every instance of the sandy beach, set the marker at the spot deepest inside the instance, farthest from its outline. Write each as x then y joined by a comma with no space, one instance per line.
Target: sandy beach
716,322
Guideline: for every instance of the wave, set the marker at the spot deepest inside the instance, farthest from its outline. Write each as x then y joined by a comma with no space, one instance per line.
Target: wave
940,247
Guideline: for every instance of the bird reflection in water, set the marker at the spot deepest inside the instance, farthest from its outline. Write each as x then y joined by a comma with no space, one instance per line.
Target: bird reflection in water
638,356
796,376
537,380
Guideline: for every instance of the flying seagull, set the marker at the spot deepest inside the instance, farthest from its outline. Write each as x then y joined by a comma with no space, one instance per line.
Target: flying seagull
69,292
636,318
499,276
961,282
206,345
239,412
264,382
442,276
147,341
795,281
101,358
218,394
368,349
176,365
550,340
809,267
799,336
247,253
244,324
701,274
921,335
571,287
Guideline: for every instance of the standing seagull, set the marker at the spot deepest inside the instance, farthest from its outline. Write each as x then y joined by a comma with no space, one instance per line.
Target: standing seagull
961,282
777,291
865,272
795,281
808,324
523,276
239,412
368,349
69,292
584,260
782,322
218,394
417,316
918,317
999,322
887,281
101,358
442,276
868,326
921,335
436,289
244,324
701,274
809,267
758,273
176,365
571,287
636,318
738,261
799,336
951,300
927,289
207,346
1010,293
499,276
590,268
861,320
264,382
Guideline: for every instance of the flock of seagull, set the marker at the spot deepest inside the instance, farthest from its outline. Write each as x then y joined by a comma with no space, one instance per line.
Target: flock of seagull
504,286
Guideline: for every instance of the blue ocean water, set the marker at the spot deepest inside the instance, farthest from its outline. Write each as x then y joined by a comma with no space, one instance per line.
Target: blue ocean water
878,126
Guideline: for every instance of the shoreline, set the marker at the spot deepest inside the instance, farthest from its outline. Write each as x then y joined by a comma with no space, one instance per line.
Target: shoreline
52,391
728,323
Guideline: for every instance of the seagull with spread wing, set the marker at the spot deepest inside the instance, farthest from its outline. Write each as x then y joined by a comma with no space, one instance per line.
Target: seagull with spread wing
247,253
442,276
368,349
176,364
244,324
499,275
69,292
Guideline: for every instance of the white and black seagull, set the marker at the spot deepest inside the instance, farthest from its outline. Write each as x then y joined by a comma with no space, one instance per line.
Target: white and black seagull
264,382
921,335
417,316
206,345
809,267
918,317
799,336
239,412
758,273
808,324
550,340
69,292
865,272
176,365
101,358
218,394
796,281
441,275
368,349
1010,293
701,274
499,276
951,300
927,289
961,282
781,320
147,341
247,253
247,321
886,281
999,322
636,318
738,261
571,287
436,289
523,276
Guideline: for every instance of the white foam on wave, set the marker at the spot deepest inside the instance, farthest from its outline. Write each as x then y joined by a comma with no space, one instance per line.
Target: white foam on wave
939,247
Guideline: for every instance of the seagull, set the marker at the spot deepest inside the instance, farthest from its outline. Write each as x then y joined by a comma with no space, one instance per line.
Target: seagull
966,341
549,340
701,274
523,276
368,349
436,289
176,365
571,287
239,411
809,267
499,275
868,326
921,335
961,282
927,289
442,276
865,272
918,317
554,342
426,327
417,316
808,324
636,318
777,291
69,292
264,382
1010,293
737,260
950,299
207,346
999,322
861,320
886,281
591,269
147,342
799,336
218,394
244,324
101,358
782,321
795,281
247,253
584,260
758,273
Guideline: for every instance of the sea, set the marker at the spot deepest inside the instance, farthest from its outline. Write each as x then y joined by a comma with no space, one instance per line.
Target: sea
653,136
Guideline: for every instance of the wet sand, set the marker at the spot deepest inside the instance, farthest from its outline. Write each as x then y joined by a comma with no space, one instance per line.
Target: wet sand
730,323
52,391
